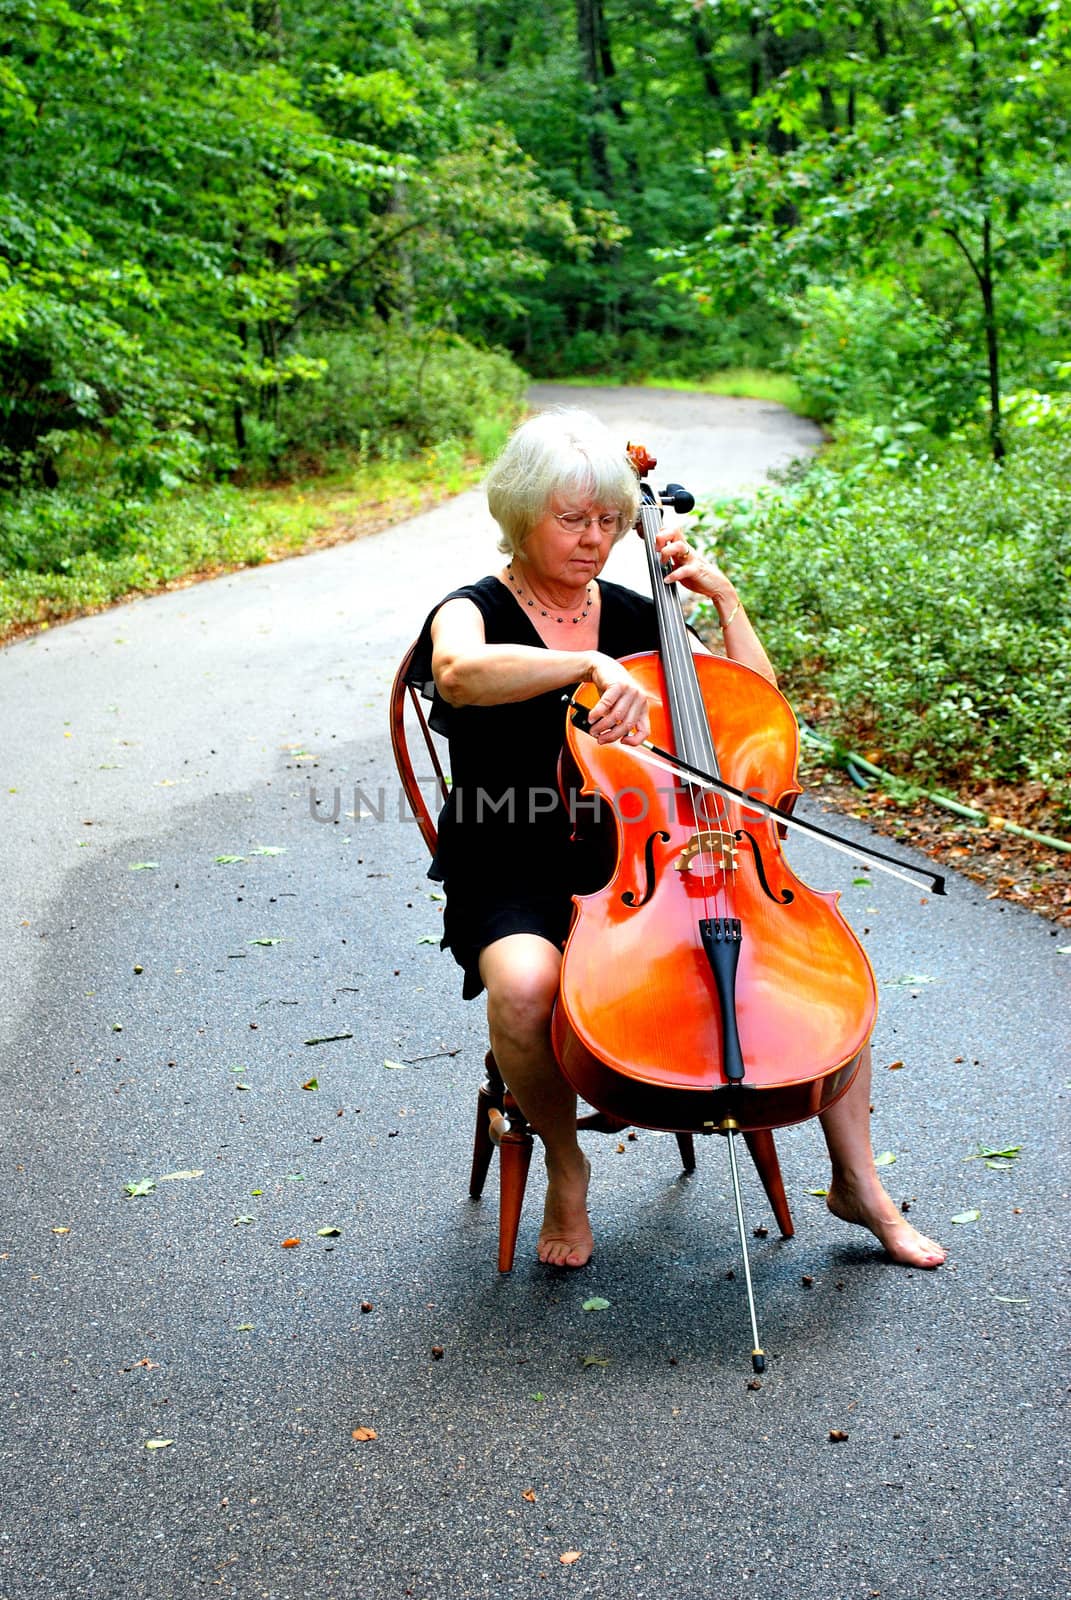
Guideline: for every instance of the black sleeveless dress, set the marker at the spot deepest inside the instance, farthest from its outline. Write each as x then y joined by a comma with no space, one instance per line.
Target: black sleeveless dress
509,854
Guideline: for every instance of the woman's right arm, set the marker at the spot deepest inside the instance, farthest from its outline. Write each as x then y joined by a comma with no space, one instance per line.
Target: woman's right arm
470,672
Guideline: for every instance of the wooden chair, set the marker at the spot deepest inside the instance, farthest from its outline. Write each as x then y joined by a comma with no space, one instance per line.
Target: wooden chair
500,1123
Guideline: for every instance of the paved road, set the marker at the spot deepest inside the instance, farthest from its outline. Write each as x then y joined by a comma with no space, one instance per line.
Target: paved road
149,1029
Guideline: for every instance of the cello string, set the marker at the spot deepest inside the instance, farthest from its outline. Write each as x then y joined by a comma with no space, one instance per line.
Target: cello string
712,815
687,710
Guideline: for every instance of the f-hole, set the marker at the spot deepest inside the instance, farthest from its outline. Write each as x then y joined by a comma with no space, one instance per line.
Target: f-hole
628,898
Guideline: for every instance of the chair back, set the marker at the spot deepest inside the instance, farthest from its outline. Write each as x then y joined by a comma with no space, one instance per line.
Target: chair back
403,695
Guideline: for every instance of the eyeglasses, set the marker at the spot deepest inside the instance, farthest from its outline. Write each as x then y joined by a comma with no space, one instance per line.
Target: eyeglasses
580,521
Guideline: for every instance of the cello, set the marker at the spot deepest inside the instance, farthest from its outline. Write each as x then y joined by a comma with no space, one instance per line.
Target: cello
746,999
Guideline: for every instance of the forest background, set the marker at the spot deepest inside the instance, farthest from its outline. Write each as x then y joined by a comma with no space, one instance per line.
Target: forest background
263,265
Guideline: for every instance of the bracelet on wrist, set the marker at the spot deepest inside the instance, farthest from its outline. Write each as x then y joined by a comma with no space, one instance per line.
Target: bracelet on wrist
725,621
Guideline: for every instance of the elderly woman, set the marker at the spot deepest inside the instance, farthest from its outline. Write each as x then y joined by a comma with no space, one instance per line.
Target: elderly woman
502,652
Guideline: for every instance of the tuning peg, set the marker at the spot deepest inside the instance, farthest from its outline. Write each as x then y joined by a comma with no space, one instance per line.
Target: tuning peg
675,495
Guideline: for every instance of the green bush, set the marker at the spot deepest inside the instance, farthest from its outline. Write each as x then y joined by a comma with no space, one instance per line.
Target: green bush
68,552
386,392
879,364
926,611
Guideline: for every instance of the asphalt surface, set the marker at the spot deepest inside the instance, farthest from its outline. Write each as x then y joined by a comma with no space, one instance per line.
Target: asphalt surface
149,1028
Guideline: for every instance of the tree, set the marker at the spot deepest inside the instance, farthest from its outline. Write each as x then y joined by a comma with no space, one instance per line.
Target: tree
921,145
189,189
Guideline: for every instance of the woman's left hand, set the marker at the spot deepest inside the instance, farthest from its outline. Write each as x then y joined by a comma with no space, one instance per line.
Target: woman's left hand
694,571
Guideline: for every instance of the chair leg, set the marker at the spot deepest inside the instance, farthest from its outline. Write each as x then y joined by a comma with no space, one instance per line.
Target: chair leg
764,1154
490,1098
686,1146
514,1159
501,1124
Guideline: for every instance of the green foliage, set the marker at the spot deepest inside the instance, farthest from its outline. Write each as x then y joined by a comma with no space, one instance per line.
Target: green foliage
63,552
879,362
388,390
922,144
72,550
186,194
924,611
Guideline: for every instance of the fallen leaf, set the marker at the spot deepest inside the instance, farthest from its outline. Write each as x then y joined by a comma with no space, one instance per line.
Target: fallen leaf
395,1066
596,1303
143,1186
966,1216
144,866
264,941
288,1244
329,1233
567,1557
529,1495
816,1191
240,1221
364,1433
908,981
61,1230
894,1066
228,861
1010,1300
329,1038
269,850
244,1327
594,1361
158,1444
194,1172
430,938
984,1153
886,1159
837,1435
312,1083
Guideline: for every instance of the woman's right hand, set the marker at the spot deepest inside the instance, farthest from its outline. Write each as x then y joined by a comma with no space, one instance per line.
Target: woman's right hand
621,711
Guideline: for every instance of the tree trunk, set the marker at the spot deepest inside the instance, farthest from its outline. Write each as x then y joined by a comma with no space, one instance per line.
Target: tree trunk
609,73
495,25
996,433
588,15
704,49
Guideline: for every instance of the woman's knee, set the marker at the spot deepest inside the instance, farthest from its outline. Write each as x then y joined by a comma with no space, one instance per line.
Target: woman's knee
522,986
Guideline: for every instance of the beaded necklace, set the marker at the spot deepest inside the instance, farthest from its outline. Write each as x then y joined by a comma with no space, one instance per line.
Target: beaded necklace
521,594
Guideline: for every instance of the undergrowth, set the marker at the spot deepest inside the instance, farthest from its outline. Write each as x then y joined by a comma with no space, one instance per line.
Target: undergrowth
921,613
63,553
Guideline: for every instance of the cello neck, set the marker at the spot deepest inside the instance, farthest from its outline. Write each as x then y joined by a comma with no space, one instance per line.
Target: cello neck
687,713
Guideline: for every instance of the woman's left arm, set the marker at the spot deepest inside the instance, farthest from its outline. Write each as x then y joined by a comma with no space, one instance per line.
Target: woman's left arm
706,578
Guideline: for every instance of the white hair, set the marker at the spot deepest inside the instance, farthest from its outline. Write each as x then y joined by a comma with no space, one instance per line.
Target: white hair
558,452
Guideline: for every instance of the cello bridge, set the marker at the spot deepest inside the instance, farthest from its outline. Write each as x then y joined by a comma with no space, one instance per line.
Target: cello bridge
715,843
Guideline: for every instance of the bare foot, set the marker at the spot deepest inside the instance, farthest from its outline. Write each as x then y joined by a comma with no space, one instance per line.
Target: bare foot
875,1211
565,1239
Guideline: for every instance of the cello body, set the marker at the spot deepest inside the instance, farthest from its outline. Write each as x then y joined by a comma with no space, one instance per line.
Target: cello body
640,1028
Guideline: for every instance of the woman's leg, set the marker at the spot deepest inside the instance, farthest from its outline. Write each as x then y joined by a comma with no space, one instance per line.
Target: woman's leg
521,975
855,1191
